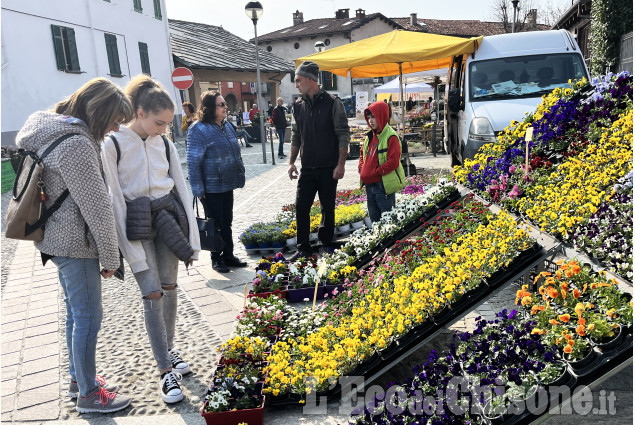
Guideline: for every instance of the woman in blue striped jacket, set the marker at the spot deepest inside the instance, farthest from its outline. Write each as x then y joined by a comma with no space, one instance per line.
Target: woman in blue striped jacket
215,169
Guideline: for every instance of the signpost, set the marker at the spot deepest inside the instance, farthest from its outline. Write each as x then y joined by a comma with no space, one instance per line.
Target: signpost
182,78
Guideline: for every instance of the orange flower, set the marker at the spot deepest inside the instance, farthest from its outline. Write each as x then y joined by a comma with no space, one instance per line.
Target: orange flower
580,330
568,349
571,342
582,321
538,331
553,322
558,274
558,341
604,285
542,290
566,335
579,308
564,285
611,313
550,281
594,285
552,292
591,327
564,318
589,306
534,309
575,268
526,301
569,273
576,293
564,294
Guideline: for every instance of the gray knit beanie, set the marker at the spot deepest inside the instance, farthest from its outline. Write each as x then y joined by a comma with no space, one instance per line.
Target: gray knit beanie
308,69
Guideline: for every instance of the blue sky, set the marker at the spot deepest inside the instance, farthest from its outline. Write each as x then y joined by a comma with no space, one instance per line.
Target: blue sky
278,13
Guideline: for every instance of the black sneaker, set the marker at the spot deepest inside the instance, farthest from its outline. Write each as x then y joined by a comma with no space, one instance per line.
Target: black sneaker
325,250
220,266
178,364
247,145
234,261
283,156
171,391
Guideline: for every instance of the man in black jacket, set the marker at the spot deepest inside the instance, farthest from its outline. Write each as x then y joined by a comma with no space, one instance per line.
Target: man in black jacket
320,134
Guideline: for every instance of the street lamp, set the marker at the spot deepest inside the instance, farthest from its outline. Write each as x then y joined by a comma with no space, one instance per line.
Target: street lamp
319,47
515,5
253,10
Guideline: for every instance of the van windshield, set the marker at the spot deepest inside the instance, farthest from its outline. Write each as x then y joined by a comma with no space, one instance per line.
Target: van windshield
523,76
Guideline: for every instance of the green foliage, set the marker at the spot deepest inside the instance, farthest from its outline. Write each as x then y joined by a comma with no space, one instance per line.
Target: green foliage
610,19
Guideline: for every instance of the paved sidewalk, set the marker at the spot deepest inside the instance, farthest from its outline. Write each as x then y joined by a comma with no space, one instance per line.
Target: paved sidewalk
34,360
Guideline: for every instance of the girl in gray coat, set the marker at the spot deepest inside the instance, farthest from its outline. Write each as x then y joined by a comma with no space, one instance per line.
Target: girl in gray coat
80,236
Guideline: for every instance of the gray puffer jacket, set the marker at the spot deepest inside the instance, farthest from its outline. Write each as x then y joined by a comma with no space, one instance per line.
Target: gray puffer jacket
84,226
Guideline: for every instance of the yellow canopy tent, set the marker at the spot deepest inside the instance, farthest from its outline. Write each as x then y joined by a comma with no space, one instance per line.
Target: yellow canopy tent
397,52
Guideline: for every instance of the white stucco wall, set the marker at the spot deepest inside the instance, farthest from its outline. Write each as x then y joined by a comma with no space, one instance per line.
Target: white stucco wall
285,49
30,78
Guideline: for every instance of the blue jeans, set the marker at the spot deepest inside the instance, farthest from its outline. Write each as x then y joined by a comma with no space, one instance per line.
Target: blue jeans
377,200
280,132
81,282
160,313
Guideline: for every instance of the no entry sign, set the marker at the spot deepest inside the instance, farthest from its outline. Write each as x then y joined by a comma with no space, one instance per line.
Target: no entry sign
182,78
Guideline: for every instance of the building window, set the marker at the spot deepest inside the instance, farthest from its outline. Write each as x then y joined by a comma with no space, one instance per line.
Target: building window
65,48
137,6
329,81
157,9
296,45
230,84
145,59
113,55
269,48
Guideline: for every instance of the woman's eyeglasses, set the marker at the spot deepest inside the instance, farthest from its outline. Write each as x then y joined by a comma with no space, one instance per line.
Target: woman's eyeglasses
222,104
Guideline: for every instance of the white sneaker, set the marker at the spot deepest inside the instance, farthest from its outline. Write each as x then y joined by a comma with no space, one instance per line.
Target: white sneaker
170,389
178,364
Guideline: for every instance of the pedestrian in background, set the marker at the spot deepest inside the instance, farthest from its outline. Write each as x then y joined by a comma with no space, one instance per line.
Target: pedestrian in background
380,168
81,235
269,111
279,119
149,193
188,118
245,136
320,134
216,169
252,112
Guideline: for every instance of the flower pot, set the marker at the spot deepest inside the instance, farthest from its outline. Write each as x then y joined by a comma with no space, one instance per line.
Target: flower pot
313,236
277,245
564,377
357,225
344,228
235,417
610,343
495,414
264,245
280,293
368,223
251,246
578,365
292,241
298,295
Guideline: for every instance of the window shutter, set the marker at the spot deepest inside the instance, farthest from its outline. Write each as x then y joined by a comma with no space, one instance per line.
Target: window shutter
145,59
58,44
113,54
157,9
137,5
72,49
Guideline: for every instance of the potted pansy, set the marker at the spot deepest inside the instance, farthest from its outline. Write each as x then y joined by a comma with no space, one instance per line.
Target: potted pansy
234,401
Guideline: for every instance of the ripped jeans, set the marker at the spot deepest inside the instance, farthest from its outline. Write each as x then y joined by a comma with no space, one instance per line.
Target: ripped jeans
160,314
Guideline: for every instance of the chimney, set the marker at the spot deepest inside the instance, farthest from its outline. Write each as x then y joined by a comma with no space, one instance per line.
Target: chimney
360,13
532,17
298,17
413,19
341,14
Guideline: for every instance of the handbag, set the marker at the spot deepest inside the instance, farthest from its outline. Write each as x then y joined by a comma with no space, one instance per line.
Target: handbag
211,240
27,212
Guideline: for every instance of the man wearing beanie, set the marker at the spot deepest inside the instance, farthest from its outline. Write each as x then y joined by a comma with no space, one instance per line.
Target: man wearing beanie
320,134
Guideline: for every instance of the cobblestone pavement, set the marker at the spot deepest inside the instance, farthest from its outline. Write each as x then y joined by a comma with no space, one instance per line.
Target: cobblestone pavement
34,372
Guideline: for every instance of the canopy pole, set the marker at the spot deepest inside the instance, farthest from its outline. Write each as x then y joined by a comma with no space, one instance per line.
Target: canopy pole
401,111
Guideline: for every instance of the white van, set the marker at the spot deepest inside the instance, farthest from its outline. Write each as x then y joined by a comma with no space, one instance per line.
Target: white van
504,79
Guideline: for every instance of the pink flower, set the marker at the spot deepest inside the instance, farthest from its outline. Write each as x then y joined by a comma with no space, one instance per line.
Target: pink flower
512,169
